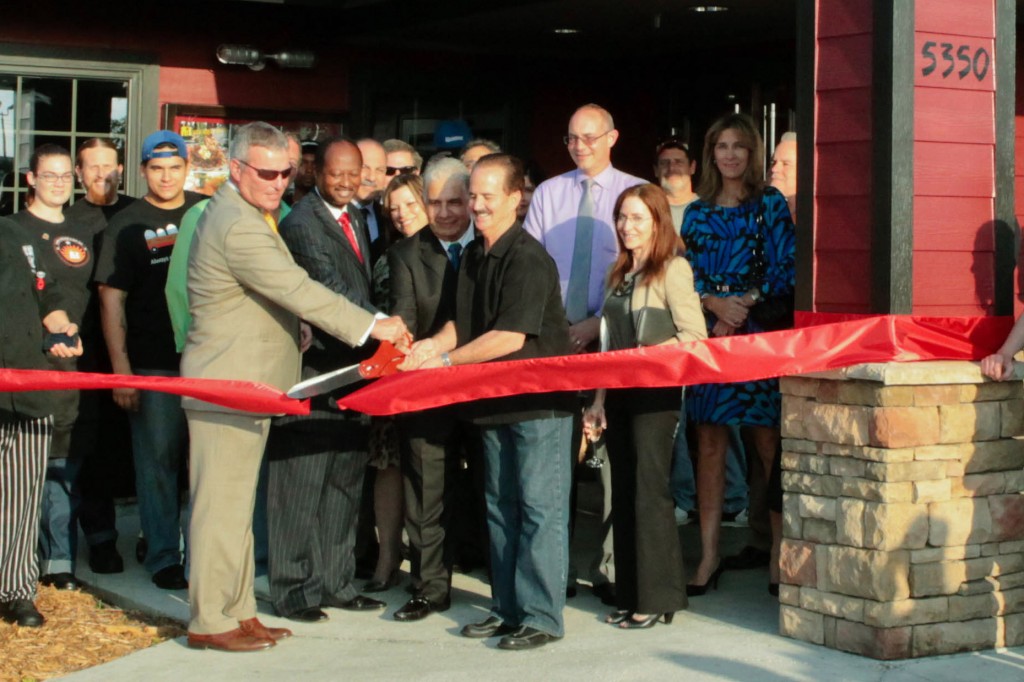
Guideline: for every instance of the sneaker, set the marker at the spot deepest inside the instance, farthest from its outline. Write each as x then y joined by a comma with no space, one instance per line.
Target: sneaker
735,519
684,517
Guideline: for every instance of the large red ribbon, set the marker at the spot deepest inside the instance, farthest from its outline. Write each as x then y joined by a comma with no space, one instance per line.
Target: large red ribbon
823,342
827,345
246,396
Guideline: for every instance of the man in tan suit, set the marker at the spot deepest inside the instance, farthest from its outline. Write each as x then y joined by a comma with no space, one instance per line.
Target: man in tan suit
246,296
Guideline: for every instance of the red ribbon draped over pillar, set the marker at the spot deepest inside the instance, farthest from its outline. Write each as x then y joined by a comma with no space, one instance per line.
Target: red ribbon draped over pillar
822,342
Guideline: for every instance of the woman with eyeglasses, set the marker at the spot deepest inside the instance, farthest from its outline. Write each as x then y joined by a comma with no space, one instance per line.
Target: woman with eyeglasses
66,253
649,300
403,202
742,248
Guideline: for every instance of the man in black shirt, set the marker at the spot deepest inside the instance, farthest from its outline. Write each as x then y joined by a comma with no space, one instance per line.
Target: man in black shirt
25,417
509,307
103,452
131,274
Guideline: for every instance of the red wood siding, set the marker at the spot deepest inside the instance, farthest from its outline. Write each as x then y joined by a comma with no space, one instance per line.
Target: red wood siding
842,166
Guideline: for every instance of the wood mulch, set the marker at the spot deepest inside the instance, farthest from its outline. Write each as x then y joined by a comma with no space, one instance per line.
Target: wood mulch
80,632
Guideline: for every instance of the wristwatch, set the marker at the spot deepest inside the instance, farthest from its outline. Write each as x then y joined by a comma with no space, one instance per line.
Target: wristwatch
445,360
755,295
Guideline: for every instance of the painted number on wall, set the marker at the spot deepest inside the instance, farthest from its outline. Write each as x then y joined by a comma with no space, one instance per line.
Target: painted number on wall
966,61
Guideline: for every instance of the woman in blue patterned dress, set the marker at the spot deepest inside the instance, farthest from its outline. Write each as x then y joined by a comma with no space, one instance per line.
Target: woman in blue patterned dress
741,244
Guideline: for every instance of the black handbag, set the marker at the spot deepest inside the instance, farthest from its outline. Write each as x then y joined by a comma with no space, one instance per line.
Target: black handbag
653,325
772,313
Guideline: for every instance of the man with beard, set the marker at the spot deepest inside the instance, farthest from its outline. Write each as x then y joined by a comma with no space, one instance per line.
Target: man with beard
674,170
104,458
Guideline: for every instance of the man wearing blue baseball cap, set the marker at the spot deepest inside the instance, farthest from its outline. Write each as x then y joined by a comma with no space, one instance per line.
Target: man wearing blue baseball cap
131,274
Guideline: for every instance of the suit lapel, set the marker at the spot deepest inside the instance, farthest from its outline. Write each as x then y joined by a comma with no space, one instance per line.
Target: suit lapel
432,253
362,236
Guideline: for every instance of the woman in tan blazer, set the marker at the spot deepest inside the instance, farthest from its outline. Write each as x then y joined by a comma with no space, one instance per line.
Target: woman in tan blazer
650,300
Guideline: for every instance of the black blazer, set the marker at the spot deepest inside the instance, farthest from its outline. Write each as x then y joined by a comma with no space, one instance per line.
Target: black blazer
423,283
319,245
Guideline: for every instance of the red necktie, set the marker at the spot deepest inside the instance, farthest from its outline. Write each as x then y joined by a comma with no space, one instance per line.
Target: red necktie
346,227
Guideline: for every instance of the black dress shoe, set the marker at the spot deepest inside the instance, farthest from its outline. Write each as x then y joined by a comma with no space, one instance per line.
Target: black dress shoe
749,557
525,638
23,612
419,608
171,578
358,603
61,581
104,558
605,592
310,615
570,591
492,627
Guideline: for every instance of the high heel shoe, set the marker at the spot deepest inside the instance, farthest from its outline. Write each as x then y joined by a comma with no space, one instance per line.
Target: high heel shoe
632,624
383,585
698,590
616,617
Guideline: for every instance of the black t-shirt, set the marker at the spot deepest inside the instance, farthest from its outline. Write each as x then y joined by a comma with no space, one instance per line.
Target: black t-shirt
134,258
514,288
28,294
66,250
93,217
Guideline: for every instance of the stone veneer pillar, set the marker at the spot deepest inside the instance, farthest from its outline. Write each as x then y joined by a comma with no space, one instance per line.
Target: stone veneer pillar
903,513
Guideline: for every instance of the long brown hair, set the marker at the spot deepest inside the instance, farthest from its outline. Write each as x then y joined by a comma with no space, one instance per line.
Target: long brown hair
665,243
753,178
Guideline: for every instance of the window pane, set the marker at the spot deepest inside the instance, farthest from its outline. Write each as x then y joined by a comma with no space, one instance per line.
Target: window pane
102,106
8,88
45,104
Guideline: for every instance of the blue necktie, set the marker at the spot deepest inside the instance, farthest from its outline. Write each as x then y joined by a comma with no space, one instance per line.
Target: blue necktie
577,295
455,255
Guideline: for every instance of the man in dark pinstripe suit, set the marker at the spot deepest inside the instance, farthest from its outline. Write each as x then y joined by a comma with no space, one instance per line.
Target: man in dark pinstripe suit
317,461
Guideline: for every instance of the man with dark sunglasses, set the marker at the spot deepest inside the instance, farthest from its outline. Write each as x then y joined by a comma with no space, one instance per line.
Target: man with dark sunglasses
131,273
246,295
402,158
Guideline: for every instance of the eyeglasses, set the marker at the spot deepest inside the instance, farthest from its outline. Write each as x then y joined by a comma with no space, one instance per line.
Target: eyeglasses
52,178
270,175
623,219
391,170
589,140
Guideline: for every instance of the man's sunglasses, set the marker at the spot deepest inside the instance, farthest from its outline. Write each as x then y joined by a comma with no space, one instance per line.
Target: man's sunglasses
391,170
270,175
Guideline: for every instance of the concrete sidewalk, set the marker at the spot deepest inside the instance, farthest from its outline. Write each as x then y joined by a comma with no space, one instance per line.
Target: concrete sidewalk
729,634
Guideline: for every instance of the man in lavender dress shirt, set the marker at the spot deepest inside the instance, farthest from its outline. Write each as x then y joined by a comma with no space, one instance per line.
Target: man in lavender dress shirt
562,217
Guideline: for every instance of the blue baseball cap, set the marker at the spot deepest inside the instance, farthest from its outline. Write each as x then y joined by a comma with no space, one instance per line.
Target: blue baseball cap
160,137
451,135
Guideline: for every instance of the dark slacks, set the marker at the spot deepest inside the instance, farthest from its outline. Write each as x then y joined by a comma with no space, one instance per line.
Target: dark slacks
313,494
648,558
431,471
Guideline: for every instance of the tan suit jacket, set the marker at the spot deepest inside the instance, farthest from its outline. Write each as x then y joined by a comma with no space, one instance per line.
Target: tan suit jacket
675,293
246,296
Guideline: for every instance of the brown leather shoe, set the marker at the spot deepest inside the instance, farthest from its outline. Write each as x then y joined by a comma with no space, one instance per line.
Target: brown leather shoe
254,627
232,640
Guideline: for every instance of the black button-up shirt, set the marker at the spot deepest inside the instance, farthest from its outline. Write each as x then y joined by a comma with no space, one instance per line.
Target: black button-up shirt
514,288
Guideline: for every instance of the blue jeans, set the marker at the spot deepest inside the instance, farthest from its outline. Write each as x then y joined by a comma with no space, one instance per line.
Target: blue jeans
527,483
683,484
159,449
58,536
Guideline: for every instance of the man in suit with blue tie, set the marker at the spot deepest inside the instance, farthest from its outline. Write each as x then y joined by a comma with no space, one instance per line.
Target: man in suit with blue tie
424,272
317,461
